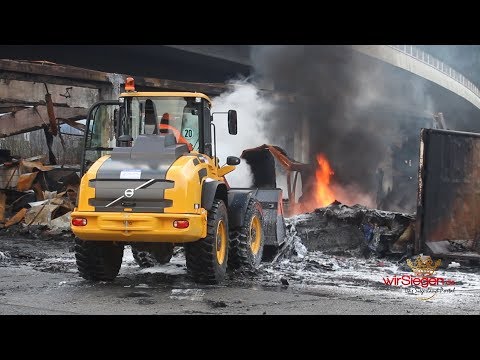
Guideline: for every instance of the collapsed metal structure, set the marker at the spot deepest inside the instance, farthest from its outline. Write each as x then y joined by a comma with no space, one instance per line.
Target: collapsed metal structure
37,94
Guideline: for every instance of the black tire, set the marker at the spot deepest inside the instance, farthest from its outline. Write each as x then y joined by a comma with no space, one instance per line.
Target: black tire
98,260
152,254
207,258
247,242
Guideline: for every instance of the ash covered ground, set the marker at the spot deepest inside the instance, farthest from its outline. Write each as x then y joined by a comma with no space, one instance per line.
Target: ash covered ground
320,270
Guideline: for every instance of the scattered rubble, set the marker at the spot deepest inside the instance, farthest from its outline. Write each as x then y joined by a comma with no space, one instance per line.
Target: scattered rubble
32,193
216,304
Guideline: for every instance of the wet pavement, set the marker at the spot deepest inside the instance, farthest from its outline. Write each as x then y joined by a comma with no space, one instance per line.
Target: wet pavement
39,276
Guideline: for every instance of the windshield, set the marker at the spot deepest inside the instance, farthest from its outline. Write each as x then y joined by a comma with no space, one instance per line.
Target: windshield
159,115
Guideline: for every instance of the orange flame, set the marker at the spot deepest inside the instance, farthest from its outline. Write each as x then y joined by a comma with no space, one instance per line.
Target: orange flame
323,193
319,192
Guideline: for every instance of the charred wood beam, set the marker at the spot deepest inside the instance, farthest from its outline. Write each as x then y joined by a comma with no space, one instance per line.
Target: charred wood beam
18,102
49,137
35,118
7,75
39,69
5,103
153,83
162,84
210,89
11,108
55,70
46,72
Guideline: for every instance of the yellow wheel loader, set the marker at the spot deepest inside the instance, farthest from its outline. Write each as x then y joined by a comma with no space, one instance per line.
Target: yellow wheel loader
150,178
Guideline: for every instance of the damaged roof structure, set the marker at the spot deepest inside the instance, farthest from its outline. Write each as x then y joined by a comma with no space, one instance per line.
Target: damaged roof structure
35,94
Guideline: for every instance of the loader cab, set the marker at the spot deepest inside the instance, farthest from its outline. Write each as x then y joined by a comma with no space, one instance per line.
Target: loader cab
118,123
187,117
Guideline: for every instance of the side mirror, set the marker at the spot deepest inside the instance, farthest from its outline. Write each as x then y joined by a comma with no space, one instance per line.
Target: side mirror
232,122
233,160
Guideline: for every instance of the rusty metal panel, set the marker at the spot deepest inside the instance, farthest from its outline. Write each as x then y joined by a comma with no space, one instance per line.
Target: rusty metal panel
29,166
25,181
448,202
16,218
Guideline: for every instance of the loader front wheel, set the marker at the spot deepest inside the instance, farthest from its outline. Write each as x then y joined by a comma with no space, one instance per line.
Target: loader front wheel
98,260
247,242
207,258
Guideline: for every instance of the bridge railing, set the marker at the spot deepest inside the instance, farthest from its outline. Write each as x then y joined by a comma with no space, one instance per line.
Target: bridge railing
428,59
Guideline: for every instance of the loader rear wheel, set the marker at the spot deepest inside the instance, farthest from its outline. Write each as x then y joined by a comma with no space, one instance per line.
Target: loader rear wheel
98,260
207,258
247,242
152,254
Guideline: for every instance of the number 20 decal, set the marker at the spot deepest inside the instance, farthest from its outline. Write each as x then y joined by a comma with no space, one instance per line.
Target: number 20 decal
187,133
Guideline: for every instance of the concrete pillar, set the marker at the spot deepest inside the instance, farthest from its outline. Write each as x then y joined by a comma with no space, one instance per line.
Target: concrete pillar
301,148
305,137
111,91
117,80
301,140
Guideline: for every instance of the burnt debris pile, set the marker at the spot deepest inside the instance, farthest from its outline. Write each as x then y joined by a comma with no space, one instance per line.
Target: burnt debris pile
356,230
35,198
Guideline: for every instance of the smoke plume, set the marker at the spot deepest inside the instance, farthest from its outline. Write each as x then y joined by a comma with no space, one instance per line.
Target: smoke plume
252,111
365,115
353,104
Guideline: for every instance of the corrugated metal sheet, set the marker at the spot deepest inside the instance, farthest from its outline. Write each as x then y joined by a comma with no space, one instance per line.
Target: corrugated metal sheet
448,212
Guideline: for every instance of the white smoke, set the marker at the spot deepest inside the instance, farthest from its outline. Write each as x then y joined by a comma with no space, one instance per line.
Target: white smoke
252,110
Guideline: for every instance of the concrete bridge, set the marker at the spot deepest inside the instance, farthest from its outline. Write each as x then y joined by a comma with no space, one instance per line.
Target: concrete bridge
406,57
219,63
